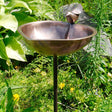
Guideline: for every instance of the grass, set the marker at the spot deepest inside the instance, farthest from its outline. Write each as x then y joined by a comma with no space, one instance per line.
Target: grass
34,85
84,79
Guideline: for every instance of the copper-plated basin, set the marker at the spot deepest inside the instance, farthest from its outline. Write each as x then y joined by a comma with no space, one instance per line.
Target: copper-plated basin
55,37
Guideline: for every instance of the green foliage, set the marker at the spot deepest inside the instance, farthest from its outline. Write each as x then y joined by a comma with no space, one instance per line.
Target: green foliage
9,22
42,9
14,13
14,49
34,84
6,98
84,79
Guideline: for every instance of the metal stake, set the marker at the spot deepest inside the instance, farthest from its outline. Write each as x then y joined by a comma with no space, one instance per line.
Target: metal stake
55,82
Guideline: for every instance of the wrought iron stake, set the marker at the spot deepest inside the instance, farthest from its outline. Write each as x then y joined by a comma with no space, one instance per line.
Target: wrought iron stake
55,82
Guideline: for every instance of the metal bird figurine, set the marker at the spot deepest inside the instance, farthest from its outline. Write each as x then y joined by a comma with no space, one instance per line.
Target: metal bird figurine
74,14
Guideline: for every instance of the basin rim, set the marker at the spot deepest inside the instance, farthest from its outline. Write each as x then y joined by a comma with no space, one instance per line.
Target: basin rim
20,31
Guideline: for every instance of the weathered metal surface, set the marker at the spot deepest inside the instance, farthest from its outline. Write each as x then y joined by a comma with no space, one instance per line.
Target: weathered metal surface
55,82
56,38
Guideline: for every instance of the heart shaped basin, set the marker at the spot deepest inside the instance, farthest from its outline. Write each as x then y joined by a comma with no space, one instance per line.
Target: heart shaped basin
55,37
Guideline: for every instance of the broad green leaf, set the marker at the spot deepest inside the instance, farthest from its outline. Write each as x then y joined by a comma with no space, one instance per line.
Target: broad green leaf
23,18
8,21
3,54
14,49
18,3
2,2
28,50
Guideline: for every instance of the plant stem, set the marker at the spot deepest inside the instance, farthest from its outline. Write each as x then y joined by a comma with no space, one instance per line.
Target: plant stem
78,66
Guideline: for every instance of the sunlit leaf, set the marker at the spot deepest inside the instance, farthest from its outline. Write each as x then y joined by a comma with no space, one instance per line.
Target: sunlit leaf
14,49
18,3
8,21
3,54
28,50
2,10
1,2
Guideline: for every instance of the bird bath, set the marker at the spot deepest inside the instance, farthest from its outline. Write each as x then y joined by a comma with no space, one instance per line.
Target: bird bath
56,38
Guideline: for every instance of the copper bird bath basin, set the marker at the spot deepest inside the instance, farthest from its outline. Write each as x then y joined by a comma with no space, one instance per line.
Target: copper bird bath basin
55,37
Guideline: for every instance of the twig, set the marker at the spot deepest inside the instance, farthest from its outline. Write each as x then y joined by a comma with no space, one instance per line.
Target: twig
66,106
65,64
19,87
